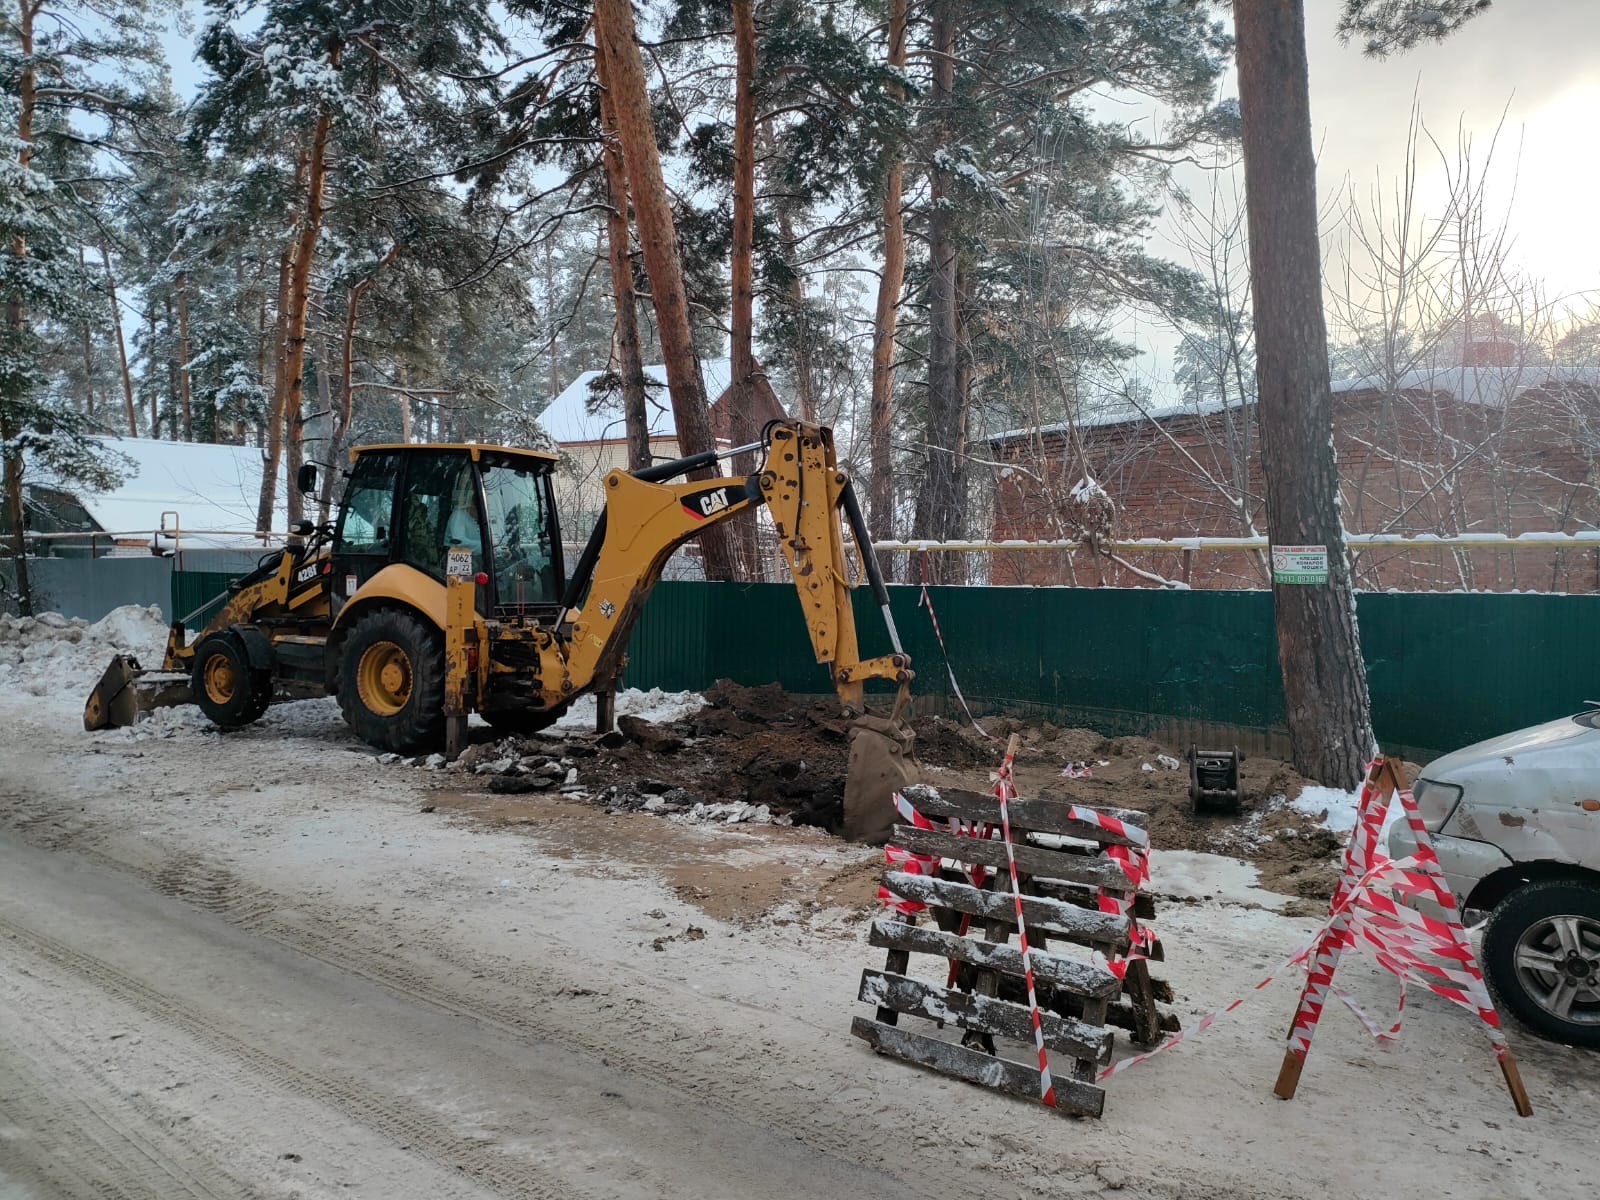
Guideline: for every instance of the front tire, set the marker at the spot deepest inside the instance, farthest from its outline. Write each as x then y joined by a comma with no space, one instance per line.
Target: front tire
230,692
1541,953
391,682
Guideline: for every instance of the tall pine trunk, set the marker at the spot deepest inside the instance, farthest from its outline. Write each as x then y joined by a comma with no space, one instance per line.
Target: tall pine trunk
1319,651
658,240
273,457
128,410
941,501
805,376
630,358
803,359
16,322
342,415
155,392
300,292
886,317
742,271
88,346
184,388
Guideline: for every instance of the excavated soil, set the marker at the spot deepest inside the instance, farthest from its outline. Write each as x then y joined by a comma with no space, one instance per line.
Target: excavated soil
757,757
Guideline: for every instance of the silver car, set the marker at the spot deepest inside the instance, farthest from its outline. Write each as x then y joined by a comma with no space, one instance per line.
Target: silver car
1516,822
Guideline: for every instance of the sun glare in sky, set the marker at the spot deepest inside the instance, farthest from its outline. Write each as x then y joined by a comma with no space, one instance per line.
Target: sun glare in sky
1554,215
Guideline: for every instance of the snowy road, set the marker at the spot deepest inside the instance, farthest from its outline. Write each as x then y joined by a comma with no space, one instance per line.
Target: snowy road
156,1049
253,966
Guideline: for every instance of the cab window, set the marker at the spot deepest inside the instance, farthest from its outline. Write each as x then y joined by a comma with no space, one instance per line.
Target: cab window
525,571
439,511
366,516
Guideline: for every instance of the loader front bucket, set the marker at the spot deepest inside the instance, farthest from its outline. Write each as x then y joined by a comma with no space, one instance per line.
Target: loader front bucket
126,690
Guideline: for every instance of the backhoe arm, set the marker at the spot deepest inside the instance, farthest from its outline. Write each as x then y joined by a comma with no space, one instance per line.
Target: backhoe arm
646,519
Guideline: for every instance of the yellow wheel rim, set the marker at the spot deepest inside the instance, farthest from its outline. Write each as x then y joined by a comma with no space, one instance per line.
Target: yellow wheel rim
383,677
219,679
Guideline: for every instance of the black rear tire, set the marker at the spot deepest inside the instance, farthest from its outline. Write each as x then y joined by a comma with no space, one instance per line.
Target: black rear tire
391,681
230,692
1541,954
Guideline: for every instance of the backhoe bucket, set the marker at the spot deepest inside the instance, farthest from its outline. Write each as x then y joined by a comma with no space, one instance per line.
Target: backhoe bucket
882,762
126,690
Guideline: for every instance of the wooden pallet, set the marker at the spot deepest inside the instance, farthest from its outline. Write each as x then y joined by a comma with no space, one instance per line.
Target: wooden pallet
972,977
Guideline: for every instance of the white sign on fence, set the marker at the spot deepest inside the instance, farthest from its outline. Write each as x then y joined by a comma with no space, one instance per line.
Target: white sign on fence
1299,564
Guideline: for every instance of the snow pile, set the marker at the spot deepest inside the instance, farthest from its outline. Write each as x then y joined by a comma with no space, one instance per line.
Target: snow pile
655,706
1329,807
61,658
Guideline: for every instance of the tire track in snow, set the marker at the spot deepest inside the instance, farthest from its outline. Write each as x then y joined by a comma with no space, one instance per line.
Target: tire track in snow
409,1126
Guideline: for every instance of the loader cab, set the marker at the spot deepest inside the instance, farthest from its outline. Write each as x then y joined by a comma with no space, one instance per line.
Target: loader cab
432,506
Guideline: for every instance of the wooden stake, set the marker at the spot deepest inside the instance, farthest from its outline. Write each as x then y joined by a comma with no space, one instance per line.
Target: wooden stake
1519,1094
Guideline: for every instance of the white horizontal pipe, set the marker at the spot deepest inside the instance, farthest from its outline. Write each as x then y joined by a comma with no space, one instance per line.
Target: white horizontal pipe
1587,537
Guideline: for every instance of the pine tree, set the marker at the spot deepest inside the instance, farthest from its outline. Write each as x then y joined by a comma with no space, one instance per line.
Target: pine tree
53,92
1385,26
1319,650
658,239
1033,205
315,75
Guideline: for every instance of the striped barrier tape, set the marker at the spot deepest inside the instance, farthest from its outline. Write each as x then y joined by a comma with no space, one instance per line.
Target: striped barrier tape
1298,958
1336,935
1378,1031
1113,825
926,864
912,864
1003,790
926,602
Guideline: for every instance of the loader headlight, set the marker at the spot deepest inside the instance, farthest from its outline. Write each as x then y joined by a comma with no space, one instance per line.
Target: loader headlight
1436,802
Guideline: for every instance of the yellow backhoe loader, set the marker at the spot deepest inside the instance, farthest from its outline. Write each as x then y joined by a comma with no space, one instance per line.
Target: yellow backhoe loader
441,591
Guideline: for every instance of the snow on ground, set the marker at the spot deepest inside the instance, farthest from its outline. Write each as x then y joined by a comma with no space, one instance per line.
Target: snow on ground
654,705
1194,875
570,932
1335,809
58,659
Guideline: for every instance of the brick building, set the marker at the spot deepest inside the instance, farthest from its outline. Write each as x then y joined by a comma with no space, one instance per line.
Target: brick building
1473,450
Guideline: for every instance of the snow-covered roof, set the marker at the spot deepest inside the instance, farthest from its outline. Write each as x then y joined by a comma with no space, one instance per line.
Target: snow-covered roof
1119,414
209,487
568,418
1490,387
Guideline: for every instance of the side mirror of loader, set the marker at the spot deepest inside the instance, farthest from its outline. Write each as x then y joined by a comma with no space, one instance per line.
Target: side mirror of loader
306,480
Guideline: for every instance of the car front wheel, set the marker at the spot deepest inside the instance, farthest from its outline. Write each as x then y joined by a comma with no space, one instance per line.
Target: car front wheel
1541,952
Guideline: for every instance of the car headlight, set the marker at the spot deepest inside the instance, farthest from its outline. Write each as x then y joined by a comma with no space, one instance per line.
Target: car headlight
1436,802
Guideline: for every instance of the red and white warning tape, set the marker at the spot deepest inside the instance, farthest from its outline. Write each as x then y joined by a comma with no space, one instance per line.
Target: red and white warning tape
1413,946
927,602
1003,791
1298,958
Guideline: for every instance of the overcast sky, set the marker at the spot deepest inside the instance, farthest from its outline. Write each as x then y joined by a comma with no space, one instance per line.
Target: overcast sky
1542,57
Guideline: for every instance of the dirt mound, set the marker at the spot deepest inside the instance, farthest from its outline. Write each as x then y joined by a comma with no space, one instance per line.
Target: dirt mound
757,755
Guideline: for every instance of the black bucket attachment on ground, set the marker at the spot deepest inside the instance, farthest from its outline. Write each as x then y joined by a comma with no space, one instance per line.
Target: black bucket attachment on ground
126,690
1214,780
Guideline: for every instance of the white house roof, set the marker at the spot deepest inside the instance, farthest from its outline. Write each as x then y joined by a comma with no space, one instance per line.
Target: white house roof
209,488
568,418
1490,387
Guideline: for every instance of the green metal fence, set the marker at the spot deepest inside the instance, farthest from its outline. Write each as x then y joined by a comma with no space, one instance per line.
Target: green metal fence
199,593
1444,669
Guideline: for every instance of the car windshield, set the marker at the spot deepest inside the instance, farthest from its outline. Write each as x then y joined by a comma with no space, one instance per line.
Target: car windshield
519,532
